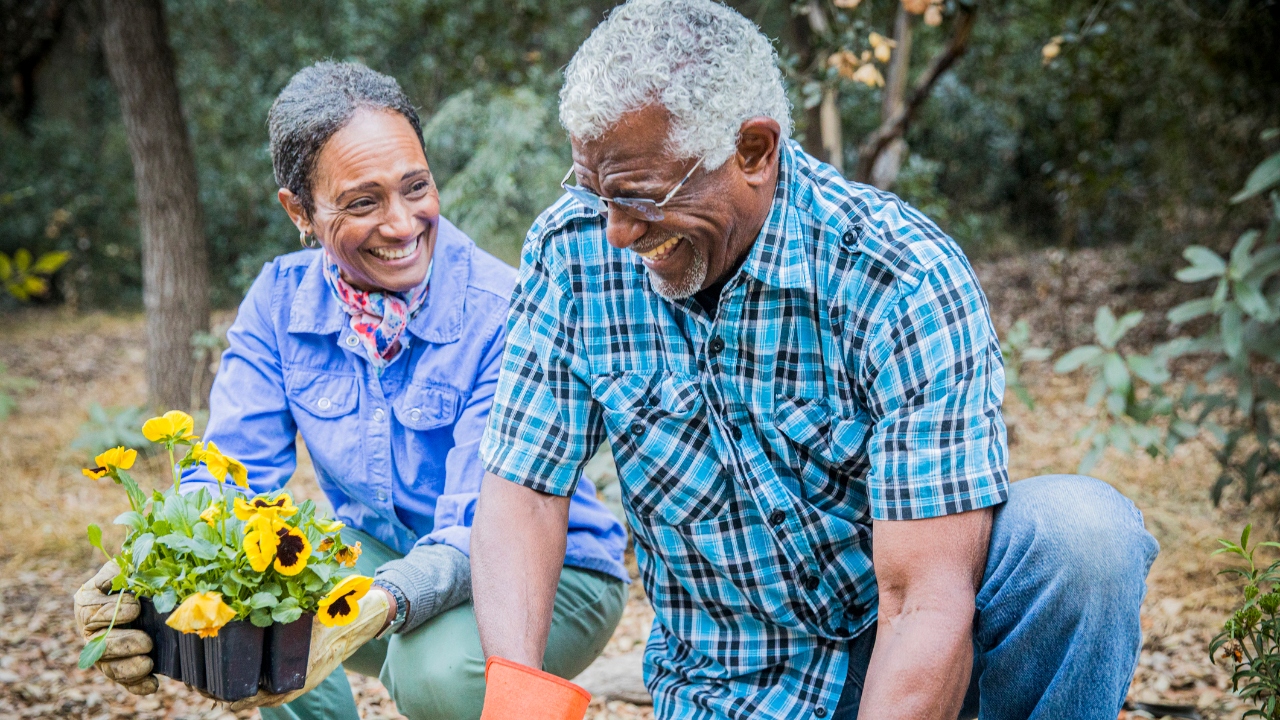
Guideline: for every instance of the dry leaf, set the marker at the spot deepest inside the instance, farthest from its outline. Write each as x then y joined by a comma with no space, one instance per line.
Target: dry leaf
933,16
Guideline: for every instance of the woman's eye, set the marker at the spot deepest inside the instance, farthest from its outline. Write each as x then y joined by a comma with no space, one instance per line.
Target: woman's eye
418,187
361,204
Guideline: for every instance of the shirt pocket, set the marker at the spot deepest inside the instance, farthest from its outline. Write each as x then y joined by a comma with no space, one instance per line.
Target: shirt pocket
323,395
821,437
427,407
657,426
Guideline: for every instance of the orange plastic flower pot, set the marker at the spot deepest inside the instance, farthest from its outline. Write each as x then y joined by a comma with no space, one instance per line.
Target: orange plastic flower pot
518,692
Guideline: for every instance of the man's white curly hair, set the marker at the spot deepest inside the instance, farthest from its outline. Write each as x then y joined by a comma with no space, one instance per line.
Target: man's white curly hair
709,66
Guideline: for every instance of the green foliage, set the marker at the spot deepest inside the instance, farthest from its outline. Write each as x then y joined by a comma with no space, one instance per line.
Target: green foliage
1119,380
1250,638
1233,409
10,387
110,427
1016,349
24,278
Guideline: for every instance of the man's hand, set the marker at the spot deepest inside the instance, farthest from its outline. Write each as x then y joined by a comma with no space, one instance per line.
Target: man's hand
125,659
929,572
517,552
330,646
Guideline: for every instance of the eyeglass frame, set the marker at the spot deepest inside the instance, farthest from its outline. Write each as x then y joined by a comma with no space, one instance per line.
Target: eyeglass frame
649,210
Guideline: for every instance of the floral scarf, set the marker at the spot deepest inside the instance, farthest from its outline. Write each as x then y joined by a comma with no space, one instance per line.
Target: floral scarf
378,318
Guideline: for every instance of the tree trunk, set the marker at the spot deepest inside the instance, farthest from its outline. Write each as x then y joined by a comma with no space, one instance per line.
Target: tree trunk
175,284
885,169
896,126
810,26
829,119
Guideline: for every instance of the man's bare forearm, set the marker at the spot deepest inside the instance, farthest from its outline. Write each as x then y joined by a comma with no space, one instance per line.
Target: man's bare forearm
517,552
920,667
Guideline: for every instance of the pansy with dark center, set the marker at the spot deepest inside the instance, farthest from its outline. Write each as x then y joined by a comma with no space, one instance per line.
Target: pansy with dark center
292,551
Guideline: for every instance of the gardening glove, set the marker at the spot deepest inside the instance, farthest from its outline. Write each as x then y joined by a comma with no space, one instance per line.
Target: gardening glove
125,659
519,692
329,647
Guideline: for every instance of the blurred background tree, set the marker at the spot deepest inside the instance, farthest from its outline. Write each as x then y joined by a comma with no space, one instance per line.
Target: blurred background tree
1068,122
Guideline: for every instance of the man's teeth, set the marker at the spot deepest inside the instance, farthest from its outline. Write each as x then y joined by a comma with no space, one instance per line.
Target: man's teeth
389,254
662,250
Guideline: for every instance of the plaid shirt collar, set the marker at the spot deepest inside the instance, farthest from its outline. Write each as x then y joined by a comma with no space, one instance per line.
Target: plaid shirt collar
778,257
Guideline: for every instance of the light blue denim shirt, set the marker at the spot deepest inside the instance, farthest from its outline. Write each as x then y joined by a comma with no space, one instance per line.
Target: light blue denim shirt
397,455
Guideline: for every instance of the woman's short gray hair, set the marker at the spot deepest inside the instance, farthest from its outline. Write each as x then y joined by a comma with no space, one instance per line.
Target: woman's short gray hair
318,102
710,67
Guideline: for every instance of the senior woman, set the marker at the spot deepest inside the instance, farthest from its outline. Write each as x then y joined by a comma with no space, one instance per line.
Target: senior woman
381,348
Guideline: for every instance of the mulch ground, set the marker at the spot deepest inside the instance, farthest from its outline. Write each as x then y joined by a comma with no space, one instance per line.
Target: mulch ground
99,358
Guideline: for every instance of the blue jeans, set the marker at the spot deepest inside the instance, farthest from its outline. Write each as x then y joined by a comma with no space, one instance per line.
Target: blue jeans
1056,632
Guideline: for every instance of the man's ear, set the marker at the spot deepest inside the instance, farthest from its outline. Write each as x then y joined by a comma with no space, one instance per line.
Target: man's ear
293,206
758,149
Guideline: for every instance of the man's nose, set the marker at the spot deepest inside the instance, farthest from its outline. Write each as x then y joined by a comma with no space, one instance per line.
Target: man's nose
623,229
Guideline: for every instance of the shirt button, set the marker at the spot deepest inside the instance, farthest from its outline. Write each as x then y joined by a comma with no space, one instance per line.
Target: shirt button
811,583
637,429
324,403
415,414
820,712
736,432
717,344
777,517
378,415
352,341
382,495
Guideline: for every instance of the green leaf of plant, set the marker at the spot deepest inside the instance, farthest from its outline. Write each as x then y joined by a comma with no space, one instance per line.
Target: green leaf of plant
1190,310
1075,358
263,600
6,267
22,260
49,262
261,617
1241,254
1251,300
1205,264
1115,373
1148,369
141,548
137,498
165,601
92,651
95,537
1232,328
286,611
1263,178
131,519
1104,325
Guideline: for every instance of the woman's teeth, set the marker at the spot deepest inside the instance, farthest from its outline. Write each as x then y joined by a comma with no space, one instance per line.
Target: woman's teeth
663,250
391,254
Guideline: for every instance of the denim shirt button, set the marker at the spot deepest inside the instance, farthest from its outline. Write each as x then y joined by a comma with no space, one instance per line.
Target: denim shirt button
381,496
415,414
324,403
378,415
352,341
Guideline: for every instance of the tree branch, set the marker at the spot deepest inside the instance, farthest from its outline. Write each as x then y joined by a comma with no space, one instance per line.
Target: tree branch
896,125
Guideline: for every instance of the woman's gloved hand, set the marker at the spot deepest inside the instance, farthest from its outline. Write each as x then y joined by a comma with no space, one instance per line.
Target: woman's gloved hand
125,660
518,692
330,646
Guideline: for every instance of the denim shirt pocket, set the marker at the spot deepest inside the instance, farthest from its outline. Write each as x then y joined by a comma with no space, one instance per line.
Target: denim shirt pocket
324,395
661,440
427,407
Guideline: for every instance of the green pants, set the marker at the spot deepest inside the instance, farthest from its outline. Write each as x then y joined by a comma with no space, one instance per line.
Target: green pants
437,670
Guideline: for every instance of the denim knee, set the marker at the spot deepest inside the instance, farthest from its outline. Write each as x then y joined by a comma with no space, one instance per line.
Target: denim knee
1074,532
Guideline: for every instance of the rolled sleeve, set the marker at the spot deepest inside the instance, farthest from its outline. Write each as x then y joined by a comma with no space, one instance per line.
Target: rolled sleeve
935,388
544,424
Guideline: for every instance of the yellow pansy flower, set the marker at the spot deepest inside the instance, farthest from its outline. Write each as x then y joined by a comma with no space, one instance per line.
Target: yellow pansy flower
212,513
348,555
330,526
341,605
292,550
220,466
173,427
278,507
202,613
260,544
324,545
107,462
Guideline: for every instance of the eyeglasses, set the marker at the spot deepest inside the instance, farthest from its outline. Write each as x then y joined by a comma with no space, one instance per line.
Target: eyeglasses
642,208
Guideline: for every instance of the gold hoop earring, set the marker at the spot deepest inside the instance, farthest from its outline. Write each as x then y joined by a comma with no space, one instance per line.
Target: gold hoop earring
302,238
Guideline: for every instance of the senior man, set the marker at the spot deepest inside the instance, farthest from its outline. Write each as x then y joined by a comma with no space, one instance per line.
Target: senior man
802,386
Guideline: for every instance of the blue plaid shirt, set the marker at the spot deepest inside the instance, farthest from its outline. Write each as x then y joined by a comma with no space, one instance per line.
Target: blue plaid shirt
852,373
